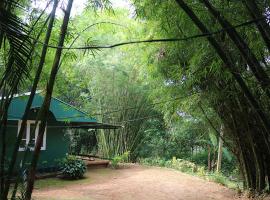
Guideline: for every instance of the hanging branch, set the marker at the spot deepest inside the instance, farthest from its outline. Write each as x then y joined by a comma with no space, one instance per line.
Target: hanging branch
205,34
80,33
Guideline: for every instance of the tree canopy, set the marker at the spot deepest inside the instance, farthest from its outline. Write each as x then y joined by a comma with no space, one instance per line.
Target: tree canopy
172,74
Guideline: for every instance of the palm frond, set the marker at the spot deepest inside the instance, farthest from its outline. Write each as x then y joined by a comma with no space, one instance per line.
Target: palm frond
14,33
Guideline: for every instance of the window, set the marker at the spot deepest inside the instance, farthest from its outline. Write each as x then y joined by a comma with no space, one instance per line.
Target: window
30,136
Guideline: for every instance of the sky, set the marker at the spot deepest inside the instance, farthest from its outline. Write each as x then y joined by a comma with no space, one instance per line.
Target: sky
121,3
78,5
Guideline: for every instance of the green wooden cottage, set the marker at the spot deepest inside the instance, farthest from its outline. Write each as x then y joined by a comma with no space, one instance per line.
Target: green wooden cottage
62,117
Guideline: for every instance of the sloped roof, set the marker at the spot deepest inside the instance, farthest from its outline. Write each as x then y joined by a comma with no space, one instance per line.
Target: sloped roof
63,112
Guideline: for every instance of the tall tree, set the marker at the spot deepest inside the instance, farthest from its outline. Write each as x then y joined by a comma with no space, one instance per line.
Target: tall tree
44,111
30,100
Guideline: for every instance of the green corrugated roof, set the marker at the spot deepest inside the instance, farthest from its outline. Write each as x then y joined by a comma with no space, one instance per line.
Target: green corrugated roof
62,111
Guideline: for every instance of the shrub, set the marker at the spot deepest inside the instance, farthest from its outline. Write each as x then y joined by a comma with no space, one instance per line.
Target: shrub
191,168
200,158
73,168
183,165
179,164
201,171
153,162
218,178
117,159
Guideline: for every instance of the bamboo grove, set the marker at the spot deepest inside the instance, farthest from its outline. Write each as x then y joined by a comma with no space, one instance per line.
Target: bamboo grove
227,67
231,77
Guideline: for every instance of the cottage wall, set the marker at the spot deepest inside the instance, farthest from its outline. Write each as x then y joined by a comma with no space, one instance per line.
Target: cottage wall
57,144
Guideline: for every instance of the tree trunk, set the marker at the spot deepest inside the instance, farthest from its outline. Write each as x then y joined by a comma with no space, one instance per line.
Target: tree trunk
30,100
3,152
44,111
230,66
209,157
244,49
220,146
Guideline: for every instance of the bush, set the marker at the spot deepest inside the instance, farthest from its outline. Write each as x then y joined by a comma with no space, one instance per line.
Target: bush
218,178
117,159
153,162
182,165
200,158
191,168
73,168
178,164
201,171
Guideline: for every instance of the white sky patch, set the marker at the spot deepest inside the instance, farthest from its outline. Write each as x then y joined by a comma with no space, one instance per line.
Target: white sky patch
77,8
121,4
124,4
79,5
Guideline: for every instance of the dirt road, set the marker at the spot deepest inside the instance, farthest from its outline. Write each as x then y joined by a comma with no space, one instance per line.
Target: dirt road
138,183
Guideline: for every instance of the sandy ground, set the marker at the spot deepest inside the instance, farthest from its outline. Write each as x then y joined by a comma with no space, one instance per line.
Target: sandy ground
139,183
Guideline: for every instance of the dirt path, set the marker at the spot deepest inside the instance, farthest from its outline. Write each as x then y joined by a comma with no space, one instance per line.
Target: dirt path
139,183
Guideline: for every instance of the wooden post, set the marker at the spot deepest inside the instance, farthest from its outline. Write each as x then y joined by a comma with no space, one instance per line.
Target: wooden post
220,145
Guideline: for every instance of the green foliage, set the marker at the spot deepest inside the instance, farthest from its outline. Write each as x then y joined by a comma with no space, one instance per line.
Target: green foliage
178,164
109,86
171,98
229,164
73,168
182,165
218,178
193,70
115,161
180,139
200,158
201,171
213,139
90,176
153,161
82,141
191,168
118,159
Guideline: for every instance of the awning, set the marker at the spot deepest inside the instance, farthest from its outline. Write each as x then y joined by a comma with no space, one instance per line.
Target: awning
94,126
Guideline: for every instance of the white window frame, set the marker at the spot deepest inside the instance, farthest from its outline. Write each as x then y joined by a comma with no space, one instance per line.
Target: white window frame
28,125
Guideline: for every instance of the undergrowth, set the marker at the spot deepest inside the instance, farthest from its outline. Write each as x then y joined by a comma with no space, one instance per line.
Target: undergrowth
193,169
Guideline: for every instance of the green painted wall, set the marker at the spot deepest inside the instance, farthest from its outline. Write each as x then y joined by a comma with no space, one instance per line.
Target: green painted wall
59,117
56,145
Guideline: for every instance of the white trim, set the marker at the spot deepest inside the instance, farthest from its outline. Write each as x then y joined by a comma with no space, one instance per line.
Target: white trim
28,125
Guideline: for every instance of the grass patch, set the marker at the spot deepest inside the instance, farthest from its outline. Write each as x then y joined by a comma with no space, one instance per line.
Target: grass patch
57,182
91,176
223,180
